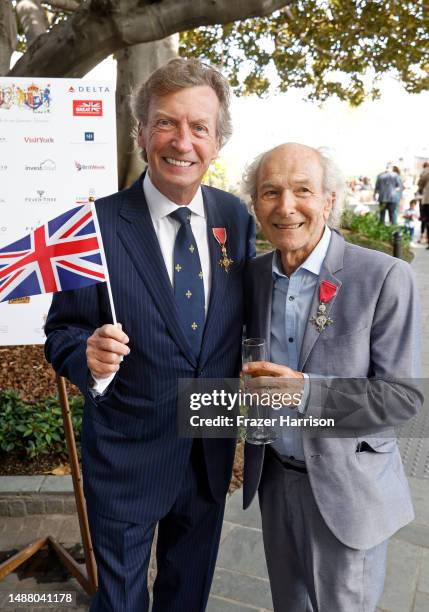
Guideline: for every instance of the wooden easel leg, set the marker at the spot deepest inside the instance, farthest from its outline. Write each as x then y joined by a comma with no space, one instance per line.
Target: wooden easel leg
91,566
88,583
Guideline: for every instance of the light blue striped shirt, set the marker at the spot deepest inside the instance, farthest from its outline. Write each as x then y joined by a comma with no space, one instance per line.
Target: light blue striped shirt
292,298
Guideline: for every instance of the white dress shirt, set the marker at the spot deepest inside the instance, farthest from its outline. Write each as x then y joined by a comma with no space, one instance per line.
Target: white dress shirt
166,228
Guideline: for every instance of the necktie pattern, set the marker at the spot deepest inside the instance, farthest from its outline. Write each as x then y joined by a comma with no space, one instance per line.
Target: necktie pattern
188,280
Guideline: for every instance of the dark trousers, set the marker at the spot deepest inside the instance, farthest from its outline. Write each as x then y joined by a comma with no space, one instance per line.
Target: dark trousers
390,207
186,551
424,215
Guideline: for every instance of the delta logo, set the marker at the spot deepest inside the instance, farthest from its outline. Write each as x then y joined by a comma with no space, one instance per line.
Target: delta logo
87,108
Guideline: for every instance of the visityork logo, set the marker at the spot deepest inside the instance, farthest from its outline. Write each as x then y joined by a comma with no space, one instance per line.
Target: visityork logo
39,140
87,108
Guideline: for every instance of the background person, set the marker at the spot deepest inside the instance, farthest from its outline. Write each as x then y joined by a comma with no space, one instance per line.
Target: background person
386,189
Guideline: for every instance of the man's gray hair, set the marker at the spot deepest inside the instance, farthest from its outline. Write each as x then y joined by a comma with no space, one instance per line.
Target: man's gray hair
180,73
333,182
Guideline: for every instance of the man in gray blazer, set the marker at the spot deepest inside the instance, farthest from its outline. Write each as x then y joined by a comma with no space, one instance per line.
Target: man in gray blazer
387,187
340,322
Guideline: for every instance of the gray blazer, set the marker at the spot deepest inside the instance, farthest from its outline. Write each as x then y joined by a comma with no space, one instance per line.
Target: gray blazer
363,496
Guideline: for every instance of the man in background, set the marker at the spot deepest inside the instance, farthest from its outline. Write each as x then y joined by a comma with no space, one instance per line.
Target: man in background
387,186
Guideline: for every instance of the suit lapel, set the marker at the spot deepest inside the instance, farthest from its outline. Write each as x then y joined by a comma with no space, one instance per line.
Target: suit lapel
219,278
332,263
263,303
138,236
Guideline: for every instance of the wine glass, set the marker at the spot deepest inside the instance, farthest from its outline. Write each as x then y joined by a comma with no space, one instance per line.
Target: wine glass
254,349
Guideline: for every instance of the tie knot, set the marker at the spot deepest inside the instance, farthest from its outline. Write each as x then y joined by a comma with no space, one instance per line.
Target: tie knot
182,215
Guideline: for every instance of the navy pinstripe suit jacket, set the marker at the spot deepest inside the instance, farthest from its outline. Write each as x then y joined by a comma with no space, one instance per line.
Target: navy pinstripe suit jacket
133,461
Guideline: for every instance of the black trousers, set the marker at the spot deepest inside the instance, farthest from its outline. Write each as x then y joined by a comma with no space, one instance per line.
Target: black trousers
186,551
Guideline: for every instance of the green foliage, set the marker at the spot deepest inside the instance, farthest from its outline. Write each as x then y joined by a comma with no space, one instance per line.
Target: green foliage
218,176
326,46
35,429
369,226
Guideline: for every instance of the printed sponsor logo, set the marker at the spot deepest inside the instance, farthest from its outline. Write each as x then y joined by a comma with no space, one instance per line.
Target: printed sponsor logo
3,228
47,164
38,140
21,300
3,139
93,89
89,137
71,89
32,98
3,167
86,199
87,108
80,167
40,197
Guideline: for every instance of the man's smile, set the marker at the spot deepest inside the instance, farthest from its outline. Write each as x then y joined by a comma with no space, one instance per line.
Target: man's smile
183,163
288,226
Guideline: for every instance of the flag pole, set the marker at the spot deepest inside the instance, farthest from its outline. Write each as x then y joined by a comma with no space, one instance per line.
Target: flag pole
104,261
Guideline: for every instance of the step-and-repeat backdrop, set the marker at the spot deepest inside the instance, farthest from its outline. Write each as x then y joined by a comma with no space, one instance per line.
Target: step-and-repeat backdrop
57,150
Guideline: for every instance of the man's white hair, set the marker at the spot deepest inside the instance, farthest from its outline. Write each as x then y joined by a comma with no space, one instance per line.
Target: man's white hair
333,182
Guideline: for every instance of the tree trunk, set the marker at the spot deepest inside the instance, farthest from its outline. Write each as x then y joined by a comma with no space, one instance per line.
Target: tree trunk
102,27
32,18
7,35
134,65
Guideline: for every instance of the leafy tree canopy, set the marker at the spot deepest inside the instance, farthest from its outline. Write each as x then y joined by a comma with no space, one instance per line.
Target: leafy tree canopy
331,47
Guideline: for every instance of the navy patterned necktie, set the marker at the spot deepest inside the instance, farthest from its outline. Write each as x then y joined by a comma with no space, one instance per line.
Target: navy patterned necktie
188,280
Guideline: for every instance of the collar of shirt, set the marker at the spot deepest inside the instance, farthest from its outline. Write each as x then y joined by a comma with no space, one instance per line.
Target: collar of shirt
160,206
314,261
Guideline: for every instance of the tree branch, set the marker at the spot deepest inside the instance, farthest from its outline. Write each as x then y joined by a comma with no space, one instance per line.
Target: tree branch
101,27
64,5
7,35
33,18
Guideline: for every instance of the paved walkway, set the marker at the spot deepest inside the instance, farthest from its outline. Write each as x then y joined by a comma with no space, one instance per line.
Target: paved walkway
241,582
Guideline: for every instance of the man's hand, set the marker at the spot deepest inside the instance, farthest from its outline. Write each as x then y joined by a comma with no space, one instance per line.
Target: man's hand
105,350
267,368
272,377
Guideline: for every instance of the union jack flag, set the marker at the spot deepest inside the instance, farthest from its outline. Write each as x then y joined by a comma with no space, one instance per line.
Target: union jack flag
65,253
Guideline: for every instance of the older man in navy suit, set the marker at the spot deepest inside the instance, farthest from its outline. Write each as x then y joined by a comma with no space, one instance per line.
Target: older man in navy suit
179,300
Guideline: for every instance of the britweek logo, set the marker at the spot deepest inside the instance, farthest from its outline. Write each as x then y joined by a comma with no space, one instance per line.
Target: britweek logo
87,108
40,198
38,140
47,164
79,167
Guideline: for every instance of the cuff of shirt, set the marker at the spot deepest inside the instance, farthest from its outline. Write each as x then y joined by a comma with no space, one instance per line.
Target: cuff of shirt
100,385
302,408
